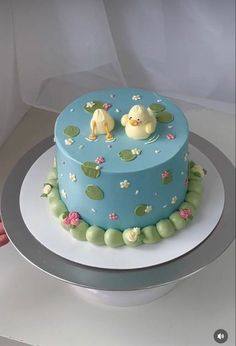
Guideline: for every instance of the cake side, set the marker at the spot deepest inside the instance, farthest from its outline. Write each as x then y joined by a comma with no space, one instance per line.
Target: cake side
132,237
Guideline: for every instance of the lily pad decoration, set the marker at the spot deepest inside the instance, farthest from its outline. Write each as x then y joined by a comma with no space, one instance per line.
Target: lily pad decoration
140,210
164,117
91,106
71,131
127,155
91,169
166,177
157,107
94,192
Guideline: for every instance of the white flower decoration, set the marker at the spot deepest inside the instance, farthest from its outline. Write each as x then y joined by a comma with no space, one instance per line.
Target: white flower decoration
174,200
148,209
47,189
132,234
124,184
63,193
186,157
136,151
72,177
136,97
90,104
69,141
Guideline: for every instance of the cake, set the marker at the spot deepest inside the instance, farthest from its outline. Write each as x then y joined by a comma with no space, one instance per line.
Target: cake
122,175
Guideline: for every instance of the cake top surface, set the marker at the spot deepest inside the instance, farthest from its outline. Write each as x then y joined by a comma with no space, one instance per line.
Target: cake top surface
121,154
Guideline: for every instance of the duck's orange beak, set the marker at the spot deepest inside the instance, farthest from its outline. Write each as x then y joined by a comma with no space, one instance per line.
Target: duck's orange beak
133,122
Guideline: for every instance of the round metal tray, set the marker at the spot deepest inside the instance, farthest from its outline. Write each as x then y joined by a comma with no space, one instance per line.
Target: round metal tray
117,280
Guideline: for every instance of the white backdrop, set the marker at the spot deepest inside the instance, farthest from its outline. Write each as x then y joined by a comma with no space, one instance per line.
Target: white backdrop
55,50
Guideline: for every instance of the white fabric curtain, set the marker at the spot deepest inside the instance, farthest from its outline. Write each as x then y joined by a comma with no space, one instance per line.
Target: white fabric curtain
181,48
12,107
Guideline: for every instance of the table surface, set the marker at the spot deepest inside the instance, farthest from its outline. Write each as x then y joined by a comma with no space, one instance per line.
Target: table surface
38,309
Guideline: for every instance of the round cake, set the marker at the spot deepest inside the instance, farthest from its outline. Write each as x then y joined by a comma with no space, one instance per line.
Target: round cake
122,168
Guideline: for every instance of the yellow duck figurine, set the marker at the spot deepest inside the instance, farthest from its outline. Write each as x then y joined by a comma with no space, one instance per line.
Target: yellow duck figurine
139,123
101,123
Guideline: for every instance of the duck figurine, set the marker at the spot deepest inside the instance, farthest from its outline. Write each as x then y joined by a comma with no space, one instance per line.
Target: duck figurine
139,123
101,123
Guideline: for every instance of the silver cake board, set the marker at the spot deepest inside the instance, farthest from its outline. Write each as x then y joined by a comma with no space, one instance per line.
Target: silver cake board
136,283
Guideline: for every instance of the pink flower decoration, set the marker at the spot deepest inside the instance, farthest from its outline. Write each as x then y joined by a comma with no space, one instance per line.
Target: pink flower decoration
72,219
165,174
113,216
185,213
99,160
106,106
170,136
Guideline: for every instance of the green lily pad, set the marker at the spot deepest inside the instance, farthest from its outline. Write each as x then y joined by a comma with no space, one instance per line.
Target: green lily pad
164,117
127,155
140,209
168,179
94,192
157,107
71,131
97,105
91,169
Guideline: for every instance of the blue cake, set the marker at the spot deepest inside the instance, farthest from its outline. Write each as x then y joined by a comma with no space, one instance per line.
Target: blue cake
122,173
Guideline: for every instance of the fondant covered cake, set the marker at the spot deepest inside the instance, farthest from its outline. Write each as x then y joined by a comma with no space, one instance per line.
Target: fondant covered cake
121,174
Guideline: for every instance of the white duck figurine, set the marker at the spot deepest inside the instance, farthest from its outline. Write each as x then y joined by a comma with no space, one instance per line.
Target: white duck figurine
101,123
139,123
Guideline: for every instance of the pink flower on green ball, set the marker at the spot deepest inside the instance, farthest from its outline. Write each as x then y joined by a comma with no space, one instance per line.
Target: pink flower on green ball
113,216
185,213
72,219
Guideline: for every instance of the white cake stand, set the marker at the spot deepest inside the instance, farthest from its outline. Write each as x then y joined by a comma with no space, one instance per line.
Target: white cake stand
124,276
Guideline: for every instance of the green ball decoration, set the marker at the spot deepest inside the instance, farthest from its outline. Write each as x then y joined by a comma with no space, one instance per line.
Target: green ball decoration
164,117
192,176
150,235
193,198
165,228
97,105
177,221
79,232
191,164
57,207
94,192
127,155
71,131
113,238
52,174
195,186
54,195
95,235
91,169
